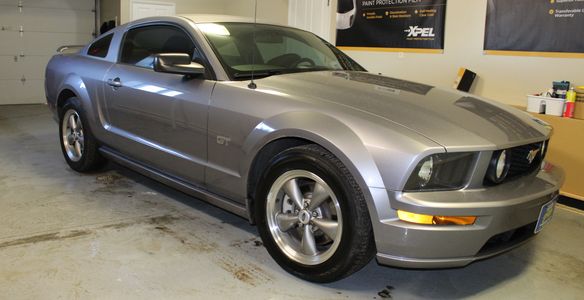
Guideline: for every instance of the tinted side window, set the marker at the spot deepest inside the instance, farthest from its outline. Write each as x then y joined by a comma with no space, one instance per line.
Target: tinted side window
100,47
141,44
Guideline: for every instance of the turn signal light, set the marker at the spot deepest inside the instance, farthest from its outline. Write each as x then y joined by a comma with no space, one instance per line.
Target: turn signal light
434,220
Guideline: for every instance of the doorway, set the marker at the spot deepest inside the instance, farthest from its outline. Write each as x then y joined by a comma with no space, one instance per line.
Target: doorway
313,16
144,9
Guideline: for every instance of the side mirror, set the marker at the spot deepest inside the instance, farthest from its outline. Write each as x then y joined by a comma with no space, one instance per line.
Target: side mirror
177,63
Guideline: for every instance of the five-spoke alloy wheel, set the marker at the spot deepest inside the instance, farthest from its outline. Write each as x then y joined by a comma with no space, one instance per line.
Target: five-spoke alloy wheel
80,148
304,217
72,135
312,216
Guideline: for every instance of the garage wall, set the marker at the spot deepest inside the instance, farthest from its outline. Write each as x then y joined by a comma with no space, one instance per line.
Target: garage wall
504,78
30,36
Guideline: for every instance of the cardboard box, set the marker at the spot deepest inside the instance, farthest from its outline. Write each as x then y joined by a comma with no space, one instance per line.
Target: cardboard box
579,109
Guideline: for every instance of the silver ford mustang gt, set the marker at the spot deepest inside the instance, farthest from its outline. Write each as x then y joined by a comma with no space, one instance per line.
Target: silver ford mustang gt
335,165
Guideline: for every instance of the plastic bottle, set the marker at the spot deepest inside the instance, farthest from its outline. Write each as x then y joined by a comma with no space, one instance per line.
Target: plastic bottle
570,103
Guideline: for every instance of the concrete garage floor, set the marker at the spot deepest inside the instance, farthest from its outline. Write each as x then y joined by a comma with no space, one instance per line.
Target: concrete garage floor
117,235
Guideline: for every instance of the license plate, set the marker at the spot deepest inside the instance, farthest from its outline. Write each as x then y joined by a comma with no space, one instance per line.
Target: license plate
545,214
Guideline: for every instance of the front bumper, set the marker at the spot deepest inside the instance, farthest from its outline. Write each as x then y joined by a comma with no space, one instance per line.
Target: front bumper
507,215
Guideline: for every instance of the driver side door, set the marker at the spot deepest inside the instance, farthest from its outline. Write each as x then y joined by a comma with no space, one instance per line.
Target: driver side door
160,118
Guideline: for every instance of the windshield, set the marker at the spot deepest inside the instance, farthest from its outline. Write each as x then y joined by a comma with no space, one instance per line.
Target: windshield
271,50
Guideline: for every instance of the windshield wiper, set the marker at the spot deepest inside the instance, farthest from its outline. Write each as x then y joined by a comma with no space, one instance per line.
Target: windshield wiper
267,73
316,69
258,74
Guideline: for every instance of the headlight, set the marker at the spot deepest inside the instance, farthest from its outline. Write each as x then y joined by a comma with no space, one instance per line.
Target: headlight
425,172
444,171
499,166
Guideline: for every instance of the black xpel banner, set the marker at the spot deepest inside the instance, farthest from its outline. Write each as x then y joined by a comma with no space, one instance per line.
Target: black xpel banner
417,24
535,25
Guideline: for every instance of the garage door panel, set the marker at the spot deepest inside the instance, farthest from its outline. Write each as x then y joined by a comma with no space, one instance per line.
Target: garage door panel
16,92
8,63
61,4
9,16
31,67
54,4
46,43
46,25
34,66
11,43
37,44
44,20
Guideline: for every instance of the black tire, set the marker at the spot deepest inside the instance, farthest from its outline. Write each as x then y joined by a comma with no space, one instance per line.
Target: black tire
90,159
356,247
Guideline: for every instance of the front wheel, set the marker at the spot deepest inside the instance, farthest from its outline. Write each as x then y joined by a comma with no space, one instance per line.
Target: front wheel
312,216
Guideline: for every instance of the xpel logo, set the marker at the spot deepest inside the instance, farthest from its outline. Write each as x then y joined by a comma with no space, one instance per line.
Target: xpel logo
415,31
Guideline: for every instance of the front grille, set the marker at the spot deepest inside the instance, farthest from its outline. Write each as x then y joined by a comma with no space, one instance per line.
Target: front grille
522,161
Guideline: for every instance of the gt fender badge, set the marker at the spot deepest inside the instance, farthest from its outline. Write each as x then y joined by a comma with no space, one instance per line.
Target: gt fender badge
223,140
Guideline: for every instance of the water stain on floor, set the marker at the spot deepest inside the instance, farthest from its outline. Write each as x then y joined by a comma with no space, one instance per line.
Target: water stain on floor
55,236
253,241
561,267
114,184
247,273
386,292
193,242
113,180
63,235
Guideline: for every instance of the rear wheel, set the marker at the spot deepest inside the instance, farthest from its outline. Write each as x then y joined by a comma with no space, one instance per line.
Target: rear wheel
312,216
79,146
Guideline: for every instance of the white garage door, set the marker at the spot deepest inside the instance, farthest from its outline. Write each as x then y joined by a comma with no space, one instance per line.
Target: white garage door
30,33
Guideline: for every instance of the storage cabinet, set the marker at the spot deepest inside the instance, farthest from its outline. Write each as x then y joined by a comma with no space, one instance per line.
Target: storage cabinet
566,150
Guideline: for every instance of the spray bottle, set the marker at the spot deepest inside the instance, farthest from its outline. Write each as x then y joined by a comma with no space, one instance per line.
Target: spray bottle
570,103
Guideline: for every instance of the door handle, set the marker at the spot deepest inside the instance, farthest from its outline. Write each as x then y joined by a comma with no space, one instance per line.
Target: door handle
115,83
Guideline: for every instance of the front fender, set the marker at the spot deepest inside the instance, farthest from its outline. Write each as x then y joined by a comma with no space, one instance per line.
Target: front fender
324,130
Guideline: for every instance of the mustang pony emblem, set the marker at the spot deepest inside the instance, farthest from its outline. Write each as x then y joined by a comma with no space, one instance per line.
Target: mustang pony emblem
532,155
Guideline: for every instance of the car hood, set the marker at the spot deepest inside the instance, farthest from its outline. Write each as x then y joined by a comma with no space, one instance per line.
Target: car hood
453,119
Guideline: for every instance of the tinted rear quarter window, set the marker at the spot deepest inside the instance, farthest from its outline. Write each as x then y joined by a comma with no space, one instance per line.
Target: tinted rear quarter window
100,47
